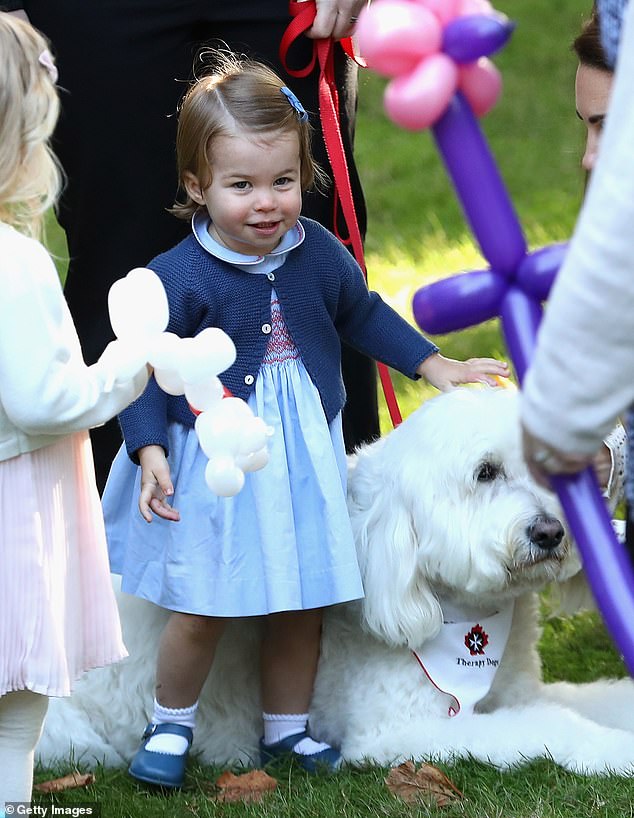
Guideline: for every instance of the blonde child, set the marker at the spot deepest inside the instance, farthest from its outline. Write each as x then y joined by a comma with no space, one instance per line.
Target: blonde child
287,292
58,615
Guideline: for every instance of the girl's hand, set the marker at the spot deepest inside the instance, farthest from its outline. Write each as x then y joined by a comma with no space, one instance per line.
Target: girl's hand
156,484
446,373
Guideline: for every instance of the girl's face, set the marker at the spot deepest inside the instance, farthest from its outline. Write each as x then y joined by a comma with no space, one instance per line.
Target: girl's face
255,195
592,96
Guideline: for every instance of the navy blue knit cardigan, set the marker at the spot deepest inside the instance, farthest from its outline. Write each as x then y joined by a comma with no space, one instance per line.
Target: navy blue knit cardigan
323,297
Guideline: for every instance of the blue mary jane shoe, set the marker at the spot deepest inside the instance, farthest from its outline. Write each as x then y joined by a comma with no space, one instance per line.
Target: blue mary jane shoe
325,761
162,769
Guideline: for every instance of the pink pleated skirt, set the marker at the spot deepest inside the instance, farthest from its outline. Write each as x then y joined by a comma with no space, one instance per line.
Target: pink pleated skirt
58,615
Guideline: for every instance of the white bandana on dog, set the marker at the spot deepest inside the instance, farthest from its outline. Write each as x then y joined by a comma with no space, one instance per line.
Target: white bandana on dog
461,661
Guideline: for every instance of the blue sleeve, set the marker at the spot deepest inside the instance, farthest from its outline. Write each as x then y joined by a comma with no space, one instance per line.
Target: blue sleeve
370,325
144,422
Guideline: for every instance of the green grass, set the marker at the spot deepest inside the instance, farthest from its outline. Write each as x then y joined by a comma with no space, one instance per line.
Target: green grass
538,790
417,234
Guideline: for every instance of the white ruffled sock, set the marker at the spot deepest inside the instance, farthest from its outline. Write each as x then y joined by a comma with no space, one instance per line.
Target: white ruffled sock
280,725
168,742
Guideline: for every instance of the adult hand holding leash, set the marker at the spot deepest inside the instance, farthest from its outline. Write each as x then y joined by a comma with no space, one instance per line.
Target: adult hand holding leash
335,18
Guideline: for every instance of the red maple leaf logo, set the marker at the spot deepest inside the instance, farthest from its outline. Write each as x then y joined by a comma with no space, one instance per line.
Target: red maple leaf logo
476,640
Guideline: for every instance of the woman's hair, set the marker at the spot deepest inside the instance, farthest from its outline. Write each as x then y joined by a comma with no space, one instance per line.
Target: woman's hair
587,45
30,178
237,94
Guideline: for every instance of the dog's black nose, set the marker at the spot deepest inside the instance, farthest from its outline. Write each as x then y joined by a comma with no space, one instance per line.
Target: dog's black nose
546,533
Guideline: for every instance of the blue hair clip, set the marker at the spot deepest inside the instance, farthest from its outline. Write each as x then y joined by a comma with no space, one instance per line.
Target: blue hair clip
297,105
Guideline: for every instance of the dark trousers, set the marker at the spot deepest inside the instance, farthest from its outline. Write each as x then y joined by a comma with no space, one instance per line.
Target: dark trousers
124,65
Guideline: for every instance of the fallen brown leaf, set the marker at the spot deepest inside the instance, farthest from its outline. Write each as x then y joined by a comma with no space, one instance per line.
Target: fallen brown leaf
251,786
427,784
67,782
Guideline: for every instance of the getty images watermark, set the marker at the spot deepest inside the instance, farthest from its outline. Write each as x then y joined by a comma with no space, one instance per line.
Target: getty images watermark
16,809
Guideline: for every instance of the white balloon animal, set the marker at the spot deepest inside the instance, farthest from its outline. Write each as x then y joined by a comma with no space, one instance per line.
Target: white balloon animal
231,436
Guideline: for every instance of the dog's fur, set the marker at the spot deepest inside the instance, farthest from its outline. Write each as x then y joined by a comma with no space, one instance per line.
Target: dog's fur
442,509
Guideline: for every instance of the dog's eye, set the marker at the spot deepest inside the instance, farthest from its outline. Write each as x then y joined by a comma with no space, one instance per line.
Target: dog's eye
488,472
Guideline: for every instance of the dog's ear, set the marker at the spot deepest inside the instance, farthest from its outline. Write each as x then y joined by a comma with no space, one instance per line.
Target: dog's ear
399,606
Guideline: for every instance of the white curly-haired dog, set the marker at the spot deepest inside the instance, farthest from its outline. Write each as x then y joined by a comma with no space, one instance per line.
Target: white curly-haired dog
439,660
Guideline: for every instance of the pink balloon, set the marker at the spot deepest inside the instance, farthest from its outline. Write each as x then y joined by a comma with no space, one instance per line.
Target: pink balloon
474,7
481,83
417,100
394,35
445,10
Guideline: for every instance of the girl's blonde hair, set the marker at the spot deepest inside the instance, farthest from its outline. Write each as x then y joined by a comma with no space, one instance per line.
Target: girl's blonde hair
30,178
238,94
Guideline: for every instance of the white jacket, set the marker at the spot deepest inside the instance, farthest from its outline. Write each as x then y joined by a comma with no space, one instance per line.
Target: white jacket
46,389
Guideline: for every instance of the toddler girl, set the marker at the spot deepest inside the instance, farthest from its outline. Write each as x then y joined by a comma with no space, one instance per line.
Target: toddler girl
287,292
58,614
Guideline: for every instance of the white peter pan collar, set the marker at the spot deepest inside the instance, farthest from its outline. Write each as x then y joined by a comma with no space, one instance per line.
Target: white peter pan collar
200,228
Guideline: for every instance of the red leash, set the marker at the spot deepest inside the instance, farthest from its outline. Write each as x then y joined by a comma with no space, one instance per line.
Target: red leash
303,15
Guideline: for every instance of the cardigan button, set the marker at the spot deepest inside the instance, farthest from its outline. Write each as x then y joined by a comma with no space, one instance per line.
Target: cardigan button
266,329
248,379
270,276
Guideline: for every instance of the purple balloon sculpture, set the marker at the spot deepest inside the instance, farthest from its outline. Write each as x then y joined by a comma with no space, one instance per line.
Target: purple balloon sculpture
513,289
522,282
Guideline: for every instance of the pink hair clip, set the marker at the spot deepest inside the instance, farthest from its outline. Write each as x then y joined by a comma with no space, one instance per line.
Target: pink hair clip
46,59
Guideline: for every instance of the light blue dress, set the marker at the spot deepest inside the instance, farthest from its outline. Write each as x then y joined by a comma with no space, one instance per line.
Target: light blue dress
282,543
